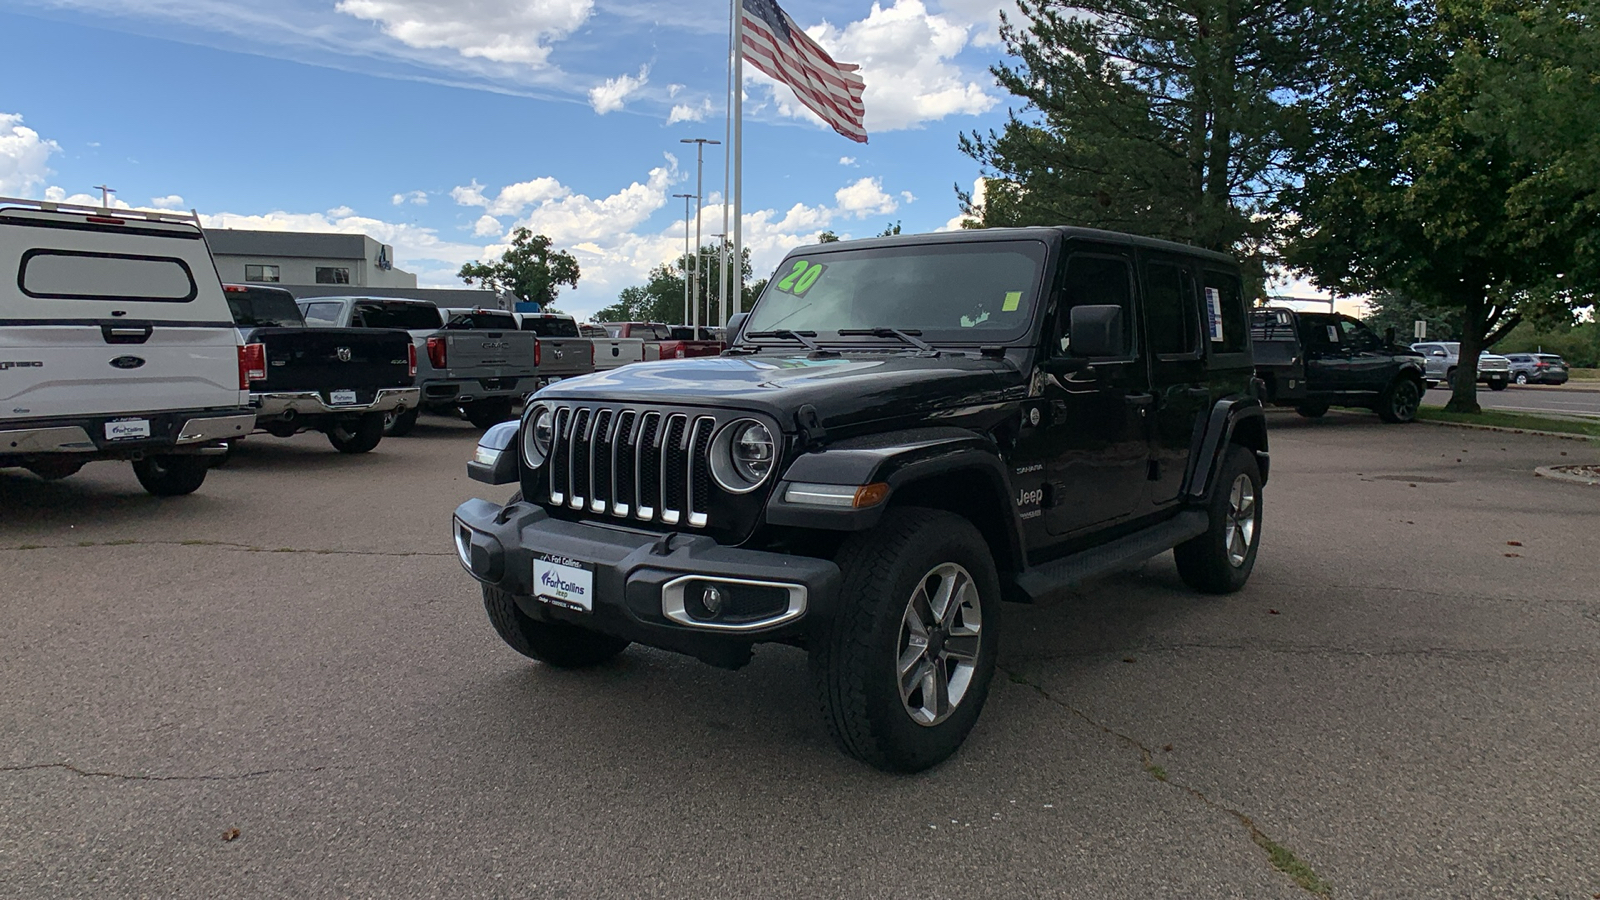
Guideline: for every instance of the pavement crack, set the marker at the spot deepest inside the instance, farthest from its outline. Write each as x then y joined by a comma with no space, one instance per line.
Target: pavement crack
227,545
1282,858
119,776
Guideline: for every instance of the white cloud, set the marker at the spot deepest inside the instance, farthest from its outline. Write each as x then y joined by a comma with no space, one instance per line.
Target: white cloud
513,198
613,94
23,156
57,194
673,90
682,113
847,161
415,198
865,198
983,15
504,31
487,225
978,187
170,201
907,57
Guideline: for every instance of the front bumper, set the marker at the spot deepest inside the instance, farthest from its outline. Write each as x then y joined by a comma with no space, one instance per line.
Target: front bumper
645,586
273,405
85,436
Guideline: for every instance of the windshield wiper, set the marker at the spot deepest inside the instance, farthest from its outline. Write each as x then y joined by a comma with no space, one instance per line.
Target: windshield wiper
803,337
909,336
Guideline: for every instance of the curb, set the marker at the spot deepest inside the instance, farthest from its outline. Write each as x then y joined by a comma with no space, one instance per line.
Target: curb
1564,435
1554,473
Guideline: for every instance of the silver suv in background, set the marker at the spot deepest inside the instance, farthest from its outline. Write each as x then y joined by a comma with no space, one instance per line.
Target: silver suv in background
1442,357
1537,368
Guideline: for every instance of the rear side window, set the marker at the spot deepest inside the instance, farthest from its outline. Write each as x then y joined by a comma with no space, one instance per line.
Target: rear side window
1170,310
1222,312
263,309
323,314
552,327
81,275
409,316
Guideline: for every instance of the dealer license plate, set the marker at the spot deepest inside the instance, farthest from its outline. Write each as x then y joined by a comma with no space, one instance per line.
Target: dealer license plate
127,429
342,398
561,581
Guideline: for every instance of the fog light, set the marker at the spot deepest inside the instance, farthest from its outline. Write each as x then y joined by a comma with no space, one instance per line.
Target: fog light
711,599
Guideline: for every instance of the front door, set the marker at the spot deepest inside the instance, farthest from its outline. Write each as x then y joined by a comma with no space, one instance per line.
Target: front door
1097,446
1327,356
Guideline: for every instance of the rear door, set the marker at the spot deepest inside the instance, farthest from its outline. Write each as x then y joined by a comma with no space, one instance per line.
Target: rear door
1171,303
1327,357
102,315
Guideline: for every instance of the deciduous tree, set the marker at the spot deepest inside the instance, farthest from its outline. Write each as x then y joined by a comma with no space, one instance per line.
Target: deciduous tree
528,270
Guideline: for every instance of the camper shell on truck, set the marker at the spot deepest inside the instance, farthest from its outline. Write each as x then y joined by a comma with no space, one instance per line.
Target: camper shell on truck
116,344
905,432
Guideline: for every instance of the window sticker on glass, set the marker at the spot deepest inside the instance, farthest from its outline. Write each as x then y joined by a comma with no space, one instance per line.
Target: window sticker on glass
1214,314
969,322
802,276
1013,300
1333,335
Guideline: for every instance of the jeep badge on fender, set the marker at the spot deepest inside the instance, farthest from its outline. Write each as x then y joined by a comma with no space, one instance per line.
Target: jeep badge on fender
903,436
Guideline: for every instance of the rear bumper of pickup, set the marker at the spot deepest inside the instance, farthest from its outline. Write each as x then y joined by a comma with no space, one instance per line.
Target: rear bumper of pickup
274,405
466,390
170,431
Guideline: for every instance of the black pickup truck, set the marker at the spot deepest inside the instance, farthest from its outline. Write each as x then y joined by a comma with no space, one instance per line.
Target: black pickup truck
339,381
1311,361
904,433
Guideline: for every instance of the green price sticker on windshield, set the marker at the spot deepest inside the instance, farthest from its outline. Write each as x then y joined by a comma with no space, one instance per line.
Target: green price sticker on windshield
801,277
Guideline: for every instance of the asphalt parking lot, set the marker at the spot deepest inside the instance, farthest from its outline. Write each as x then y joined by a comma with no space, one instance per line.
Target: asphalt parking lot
1402,703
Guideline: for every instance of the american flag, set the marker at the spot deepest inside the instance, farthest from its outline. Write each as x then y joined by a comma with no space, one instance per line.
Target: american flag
777,47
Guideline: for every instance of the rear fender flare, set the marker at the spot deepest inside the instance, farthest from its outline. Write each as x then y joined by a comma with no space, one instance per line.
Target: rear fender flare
1226,419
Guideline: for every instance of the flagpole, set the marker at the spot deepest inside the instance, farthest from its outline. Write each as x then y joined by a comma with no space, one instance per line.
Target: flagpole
727,147
738,154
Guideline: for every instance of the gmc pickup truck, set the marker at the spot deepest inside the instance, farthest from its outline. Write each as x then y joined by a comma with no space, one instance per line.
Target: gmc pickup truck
659,342
562,350
339,381
482,373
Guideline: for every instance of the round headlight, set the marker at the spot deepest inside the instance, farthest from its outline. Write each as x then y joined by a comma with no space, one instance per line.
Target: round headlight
537,435
743,455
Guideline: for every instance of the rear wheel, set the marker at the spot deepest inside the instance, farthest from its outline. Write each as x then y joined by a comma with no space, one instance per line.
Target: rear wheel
903,668
399,422
357,435
171,476
1312,409
54,469
489,412
1220,561
558,644
1399,401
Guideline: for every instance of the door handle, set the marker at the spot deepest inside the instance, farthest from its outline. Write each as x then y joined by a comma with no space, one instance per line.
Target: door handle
126,334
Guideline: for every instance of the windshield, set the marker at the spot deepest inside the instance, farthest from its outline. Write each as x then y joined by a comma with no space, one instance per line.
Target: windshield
257,308
409,316
550,326
982,291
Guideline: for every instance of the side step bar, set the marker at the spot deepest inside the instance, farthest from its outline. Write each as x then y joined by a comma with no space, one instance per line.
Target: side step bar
1071,571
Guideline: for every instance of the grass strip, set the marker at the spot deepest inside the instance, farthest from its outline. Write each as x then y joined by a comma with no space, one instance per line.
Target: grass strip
1584,374
1521,421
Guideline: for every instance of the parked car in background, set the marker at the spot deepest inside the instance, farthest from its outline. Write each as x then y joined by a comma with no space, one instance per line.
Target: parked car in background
479,372
562,350
116,344
1537,368
1312,361
339,381
660,343
1443,356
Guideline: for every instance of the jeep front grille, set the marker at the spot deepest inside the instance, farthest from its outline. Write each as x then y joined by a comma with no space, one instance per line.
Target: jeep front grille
648,465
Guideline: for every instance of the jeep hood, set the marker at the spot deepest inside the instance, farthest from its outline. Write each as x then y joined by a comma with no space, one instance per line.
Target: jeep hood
846,390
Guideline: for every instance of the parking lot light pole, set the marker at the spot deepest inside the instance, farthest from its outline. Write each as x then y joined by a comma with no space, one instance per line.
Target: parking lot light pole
686,199
105,195
699,210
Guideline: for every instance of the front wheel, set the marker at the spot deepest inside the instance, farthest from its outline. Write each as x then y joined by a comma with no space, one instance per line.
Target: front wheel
557,644
903,668
490,412
1522,378
1220,561
1497,384
357,436
171,476
1399,402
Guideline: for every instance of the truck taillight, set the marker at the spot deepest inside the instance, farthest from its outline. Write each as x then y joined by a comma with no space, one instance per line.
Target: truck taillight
252,364
538,353
411,358
681,352
436,354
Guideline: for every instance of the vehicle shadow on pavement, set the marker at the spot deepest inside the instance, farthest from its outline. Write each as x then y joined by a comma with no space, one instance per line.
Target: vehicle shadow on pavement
25,500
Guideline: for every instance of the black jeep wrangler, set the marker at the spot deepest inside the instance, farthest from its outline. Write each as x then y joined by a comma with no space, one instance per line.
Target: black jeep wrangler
903,433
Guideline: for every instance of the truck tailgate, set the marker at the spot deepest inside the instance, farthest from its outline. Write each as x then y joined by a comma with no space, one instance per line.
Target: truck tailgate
66,369
564,357
609,353
488,354
308,359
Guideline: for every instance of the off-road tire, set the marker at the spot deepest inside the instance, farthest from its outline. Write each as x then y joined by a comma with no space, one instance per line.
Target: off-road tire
1522,378
359,436
557,644
399,423
1205,563
1399,402
1312,409
54,469
853,661
172,475
489,413
1498,384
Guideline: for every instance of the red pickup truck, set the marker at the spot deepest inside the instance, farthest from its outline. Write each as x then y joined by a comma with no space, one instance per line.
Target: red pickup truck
659,342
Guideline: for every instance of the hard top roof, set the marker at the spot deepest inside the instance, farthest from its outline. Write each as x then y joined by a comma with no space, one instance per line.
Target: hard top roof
1033,232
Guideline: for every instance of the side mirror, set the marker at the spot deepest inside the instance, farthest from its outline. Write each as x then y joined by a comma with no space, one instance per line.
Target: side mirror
1440,353
1096,331
735,325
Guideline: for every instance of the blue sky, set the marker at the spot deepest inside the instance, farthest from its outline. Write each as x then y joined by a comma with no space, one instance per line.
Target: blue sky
439,125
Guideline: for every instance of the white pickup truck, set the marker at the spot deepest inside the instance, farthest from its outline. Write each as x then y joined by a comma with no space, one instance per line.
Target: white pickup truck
116,344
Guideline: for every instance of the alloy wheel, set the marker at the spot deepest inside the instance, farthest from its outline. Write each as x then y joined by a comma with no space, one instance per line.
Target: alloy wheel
939,644
1406,400
1241,526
